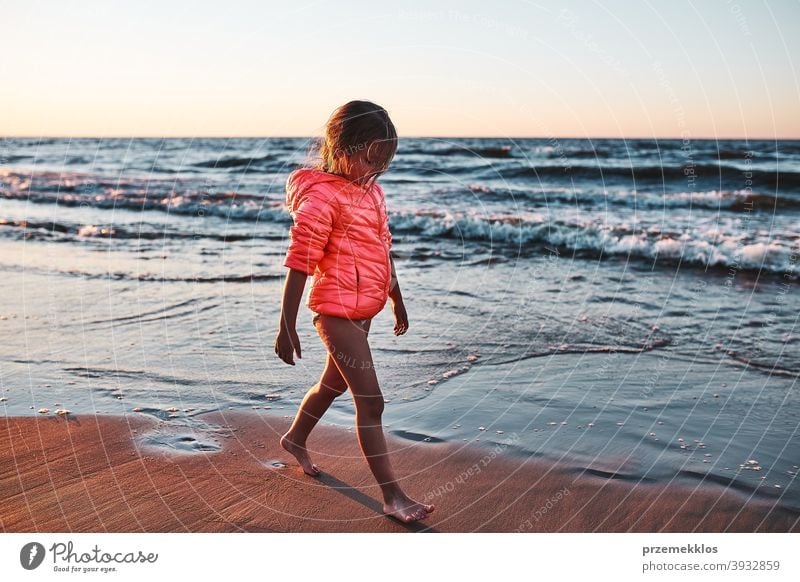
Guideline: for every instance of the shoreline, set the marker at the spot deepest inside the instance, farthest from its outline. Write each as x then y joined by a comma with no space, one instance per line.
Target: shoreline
132,473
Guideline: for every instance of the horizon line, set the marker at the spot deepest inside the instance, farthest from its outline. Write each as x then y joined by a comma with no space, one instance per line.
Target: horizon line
634,137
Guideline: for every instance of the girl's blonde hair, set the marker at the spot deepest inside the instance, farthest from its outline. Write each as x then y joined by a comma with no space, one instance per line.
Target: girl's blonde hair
357,126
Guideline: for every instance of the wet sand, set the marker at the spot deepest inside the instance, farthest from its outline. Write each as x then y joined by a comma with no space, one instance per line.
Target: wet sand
135,473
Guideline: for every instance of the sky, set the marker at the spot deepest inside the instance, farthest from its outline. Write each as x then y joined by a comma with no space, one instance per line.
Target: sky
507,68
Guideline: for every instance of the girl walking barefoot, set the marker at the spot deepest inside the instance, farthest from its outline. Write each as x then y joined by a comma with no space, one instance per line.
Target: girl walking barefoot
341,238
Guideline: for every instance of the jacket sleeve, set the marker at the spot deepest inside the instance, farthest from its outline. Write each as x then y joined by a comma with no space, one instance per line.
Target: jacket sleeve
313,218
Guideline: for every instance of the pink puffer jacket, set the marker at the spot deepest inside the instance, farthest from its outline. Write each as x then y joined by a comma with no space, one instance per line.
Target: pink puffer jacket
341,237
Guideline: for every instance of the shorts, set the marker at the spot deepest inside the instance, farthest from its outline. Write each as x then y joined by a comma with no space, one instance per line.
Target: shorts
364,323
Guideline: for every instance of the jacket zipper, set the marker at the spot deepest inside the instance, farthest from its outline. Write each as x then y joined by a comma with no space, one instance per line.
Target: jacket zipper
388,260
355,268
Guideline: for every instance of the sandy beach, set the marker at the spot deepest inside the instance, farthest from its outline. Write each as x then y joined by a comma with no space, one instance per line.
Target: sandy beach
135,473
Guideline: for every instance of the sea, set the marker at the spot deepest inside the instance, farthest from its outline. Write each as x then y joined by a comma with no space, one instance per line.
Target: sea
628,307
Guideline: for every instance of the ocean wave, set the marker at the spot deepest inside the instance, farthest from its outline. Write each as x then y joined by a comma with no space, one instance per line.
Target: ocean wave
33,225
581,154
247,278
736,200
706,248
666,173
11,159
158,278
731,154
162,195
48,230
181,205
500,151
729,200
264,162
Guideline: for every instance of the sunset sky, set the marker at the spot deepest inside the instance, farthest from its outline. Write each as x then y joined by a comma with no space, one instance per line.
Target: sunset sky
501,68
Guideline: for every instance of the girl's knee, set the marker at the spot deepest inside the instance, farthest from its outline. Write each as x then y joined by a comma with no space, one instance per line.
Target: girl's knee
370,406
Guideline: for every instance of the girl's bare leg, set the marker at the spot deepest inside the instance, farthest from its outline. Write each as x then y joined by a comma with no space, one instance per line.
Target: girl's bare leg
348,347
317,400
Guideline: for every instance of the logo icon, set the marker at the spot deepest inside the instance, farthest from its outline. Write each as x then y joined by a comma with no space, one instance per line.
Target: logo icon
31,555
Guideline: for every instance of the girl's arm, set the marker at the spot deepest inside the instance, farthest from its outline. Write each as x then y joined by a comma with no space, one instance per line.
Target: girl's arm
287,341
394,287
313,221
398,307
292,295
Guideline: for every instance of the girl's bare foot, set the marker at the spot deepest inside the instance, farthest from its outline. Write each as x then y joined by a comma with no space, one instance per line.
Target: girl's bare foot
406,509
301,454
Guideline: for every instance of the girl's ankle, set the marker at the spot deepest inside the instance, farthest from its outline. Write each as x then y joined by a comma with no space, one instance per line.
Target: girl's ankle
294,440
392,493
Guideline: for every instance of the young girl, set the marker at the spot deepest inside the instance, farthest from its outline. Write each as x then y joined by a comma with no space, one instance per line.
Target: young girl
341,237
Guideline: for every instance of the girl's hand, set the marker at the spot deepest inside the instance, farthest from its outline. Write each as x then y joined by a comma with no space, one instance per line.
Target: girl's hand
400,318
286,344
